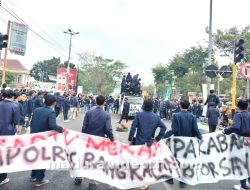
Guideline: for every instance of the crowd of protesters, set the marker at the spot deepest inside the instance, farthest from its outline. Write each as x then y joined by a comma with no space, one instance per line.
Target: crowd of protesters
131,85
38,110
216,112
167,108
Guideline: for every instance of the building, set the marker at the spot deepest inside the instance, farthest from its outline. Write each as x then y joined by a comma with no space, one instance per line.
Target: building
21,73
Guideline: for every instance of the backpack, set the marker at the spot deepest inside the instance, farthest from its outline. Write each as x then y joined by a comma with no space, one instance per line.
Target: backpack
213,98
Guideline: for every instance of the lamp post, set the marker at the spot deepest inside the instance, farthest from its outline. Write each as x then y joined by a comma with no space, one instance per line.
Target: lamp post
71,33
210,45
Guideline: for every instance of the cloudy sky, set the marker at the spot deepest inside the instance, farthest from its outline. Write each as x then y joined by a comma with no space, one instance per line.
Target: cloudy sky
141,33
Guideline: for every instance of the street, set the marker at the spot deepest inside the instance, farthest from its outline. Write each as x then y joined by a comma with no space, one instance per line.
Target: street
61,179
187,60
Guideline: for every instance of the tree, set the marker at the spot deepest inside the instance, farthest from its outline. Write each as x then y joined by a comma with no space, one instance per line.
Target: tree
65,65
9,79
224,42
42,69
83,81
150,89
179,65
188,67
100,75
189,83
161,74
196,57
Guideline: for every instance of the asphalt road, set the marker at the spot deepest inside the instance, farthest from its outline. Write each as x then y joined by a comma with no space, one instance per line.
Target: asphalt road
60,180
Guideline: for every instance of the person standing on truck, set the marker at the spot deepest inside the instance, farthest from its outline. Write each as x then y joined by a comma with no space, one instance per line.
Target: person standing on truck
129,78
135,79
123,83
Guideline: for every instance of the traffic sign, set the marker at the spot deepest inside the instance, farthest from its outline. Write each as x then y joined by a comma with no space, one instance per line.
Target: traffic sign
226,71
245,70
211,71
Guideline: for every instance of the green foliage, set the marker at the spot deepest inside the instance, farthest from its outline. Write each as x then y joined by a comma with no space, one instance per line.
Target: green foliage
42,69
179,65
188,67
9,77
189,83
161,74
65,64
99,75
196,57
82,81
150,89
224,41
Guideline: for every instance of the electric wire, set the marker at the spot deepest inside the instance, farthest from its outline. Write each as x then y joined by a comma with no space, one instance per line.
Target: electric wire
14,15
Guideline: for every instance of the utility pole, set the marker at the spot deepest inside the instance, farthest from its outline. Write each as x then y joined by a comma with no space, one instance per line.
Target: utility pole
71,33
210,45
206,87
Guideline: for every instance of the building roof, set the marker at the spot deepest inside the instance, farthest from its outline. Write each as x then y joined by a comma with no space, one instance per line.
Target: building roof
14,65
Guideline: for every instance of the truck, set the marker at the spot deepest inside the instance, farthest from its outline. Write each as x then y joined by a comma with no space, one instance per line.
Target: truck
135,102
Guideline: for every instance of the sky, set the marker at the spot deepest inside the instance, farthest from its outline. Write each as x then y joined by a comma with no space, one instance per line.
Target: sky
140,33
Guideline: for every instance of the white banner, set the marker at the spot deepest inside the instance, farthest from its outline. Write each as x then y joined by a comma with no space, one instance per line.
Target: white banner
216,157
18,38
97,158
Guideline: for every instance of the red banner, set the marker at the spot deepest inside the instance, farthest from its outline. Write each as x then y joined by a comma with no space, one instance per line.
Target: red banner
62,78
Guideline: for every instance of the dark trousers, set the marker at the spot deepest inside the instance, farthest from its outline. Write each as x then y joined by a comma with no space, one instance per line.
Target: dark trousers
38,174
124,116
65,114
212,128
167,114
57,110
243,183
116,109
155,110
3,176
162,114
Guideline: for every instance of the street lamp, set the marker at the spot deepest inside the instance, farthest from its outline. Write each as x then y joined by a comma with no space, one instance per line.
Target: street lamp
71,33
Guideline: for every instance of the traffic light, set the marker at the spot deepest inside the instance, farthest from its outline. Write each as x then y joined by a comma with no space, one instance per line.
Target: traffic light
239,51
3,41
